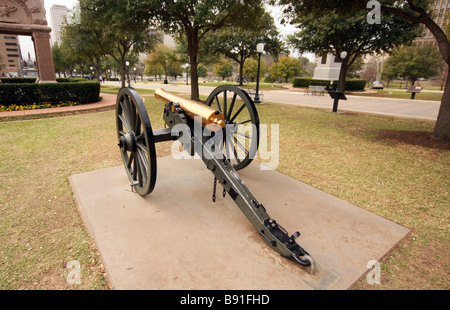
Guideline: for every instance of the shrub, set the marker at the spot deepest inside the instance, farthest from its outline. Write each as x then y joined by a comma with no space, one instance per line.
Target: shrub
17,80
307,81
350,84
53,93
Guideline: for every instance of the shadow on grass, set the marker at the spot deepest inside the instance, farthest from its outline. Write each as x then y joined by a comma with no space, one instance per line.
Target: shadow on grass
418,138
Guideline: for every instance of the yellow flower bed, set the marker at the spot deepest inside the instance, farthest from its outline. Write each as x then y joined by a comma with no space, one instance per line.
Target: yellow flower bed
35,106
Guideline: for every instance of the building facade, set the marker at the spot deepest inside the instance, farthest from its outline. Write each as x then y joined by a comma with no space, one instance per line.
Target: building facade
58,14
441,11
11,56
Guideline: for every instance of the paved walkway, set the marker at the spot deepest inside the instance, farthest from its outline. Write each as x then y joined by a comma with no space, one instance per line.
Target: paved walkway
418,109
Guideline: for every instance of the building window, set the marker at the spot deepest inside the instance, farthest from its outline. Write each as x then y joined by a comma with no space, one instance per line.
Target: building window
10,44
11,60
13,55
324,59
12,50
9,37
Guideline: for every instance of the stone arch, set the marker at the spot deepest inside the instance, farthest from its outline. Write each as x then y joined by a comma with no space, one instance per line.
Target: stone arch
27,17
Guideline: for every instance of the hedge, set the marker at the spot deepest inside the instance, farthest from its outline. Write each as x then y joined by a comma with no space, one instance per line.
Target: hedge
54,93
350,84
18,80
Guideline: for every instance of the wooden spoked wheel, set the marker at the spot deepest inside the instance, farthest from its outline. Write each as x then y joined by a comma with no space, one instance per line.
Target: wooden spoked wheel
136,141
241,132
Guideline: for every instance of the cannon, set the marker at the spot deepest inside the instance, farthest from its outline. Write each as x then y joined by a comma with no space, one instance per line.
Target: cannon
223,132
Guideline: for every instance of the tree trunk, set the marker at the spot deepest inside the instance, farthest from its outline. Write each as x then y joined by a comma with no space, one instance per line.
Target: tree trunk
195,95
193,48
241,71
124,75
442,128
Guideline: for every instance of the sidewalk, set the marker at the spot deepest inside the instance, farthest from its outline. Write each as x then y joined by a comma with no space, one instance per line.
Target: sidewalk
108,101
406,108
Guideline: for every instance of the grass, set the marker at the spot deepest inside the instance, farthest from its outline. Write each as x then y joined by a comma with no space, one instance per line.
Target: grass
396,94
385,165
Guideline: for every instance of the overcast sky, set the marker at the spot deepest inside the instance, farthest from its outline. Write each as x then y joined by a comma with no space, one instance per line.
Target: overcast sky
26,44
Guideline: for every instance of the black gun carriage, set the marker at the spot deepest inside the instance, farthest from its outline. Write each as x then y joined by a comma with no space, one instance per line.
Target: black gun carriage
222,144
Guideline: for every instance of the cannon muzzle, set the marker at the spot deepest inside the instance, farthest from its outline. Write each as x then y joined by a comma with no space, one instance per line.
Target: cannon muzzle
193,109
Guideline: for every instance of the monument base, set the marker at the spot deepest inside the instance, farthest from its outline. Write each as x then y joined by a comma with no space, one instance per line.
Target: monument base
178,239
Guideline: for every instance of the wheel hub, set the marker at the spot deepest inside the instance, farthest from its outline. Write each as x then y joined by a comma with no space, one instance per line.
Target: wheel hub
128,143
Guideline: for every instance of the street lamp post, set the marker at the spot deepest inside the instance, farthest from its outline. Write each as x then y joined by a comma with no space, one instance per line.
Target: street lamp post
338,90
128,73
187,72
260,50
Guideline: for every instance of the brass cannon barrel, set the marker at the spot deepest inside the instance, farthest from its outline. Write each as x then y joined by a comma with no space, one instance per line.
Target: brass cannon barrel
209,116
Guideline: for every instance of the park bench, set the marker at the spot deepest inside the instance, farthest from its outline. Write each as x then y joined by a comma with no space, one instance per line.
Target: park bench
313,89
252,93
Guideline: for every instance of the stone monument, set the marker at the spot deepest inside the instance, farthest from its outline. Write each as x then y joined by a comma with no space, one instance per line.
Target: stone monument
27,17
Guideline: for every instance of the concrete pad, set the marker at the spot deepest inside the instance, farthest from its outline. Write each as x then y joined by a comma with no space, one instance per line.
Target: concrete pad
177,238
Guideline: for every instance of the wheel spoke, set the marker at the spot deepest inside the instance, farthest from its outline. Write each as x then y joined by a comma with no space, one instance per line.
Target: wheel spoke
143,161
244,135
125,110
218,104
233,101
142,148
130,160
135,168
244,122
235,153
225,104
125,122
143,167
132,112
240,145
237,113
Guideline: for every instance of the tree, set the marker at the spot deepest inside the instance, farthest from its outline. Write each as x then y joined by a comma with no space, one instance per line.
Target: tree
223,69
415,11
414,62
163,56
307,67
337,31
154,71
240,44
251,69
119,28
82,41
194,19
285,69
59,61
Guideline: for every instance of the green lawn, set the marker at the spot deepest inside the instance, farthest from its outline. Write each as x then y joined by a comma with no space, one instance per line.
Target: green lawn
387,166
397,94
